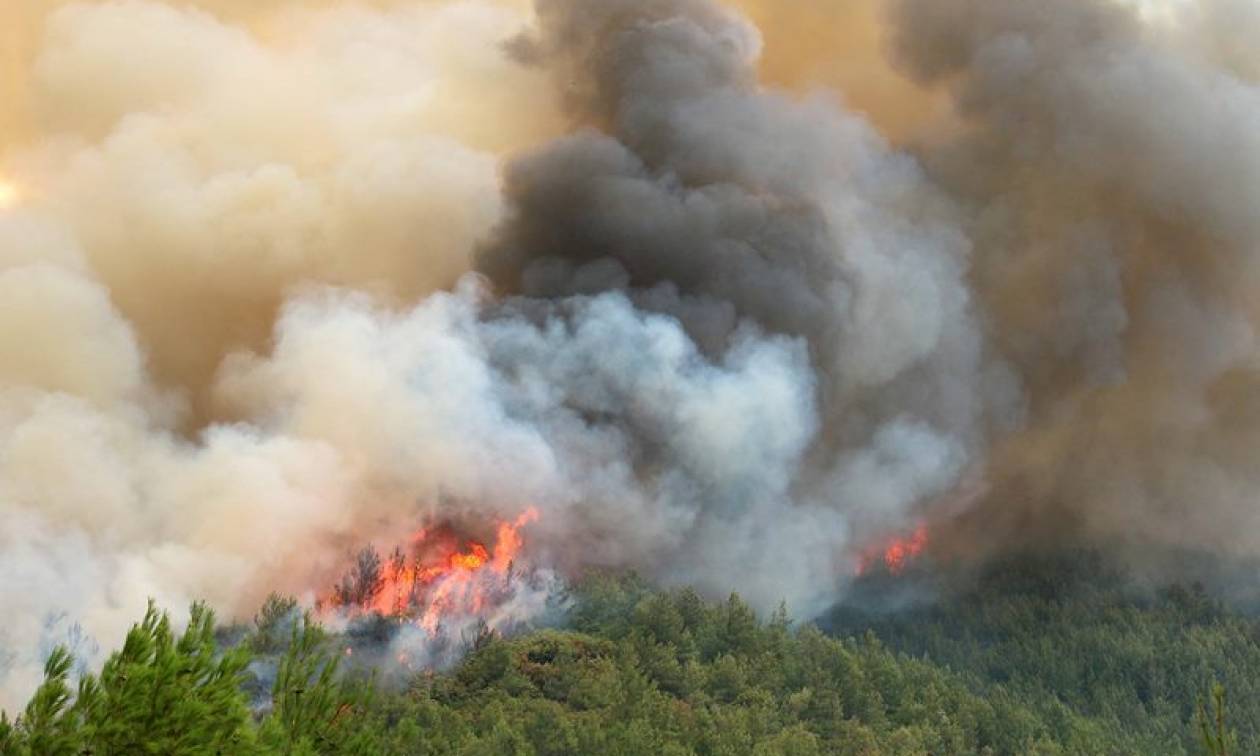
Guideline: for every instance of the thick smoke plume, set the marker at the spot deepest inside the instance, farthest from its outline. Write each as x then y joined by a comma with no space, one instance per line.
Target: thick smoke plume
1109,166
179,175
278,280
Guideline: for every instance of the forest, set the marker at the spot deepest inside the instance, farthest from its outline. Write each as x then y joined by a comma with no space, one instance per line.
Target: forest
1058,656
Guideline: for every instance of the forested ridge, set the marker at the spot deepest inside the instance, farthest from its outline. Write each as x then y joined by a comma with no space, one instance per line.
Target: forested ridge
1034,658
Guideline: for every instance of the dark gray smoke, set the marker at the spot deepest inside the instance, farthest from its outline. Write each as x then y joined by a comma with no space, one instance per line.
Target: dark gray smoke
1055,286
1109,166
698,196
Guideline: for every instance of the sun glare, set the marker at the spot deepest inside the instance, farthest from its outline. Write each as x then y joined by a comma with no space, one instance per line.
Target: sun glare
9,194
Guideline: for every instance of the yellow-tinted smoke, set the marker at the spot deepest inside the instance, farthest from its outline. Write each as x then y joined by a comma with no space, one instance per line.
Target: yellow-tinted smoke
840,45
172,174
210,159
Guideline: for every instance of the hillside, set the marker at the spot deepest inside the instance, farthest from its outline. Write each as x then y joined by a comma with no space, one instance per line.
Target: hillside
1029,661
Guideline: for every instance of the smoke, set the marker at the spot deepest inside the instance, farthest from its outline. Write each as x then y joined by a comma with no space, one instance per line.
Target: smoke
181,177
838,47
1109,166
748,217
277,282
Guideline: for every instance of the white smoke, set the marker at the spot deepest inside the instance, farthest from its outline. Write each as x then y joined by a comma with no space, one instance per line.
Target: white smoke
181,177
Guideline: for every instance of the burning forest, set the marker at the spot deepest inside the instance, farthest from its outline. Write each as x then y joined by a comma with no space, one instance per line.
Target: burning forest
434,578
428,601
425,312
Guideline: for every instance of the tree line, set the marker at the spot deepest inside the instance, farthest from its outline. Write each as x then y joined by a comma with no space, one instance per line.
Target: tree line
1009,668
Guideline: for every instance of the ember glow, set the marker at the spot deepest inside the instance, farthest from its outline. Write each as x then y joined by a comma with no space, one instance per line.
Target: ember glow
438,577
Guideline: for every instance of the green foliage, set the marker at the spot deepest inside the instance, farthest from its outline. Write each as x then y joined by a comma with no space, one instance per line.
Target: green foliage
649,673
47,726
311,706
1027,665
270,631
1108,666
1218,739
160,694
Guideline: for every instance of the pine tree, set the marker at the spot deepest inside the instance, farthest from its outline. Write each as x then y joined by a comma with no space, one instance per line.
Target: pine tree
49,725
312,707
270,623
158,695
363,581
1217,738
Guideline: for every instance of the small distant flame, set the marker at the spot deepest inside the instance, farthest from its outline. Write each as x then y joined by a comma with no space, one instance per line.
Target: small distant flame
902,550
897,554
440,578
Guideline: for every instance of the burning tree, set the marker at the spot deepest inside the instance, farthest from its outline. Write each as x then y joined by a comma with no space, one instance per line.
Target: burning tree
895,554
439,577
362,582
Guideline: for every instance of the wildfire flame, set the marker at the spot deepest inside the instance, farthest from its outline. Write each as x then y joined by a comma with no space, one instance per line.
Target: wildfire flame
897,554
439,580
902,550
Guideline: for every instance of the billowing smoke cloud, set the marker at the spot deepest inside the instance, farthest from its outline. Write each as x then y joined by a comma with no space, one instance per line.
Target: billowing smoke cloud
282,281
181,176
1110,168
740,215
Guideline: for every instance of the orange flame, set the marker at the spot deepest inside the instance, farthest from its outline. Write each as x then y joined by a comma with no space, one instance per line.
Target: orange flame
901,551
441,579
462,589
897,554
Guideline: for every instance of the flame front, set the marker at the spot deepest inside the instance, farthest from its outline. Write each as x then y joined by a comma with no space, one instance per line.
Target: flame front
441,579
